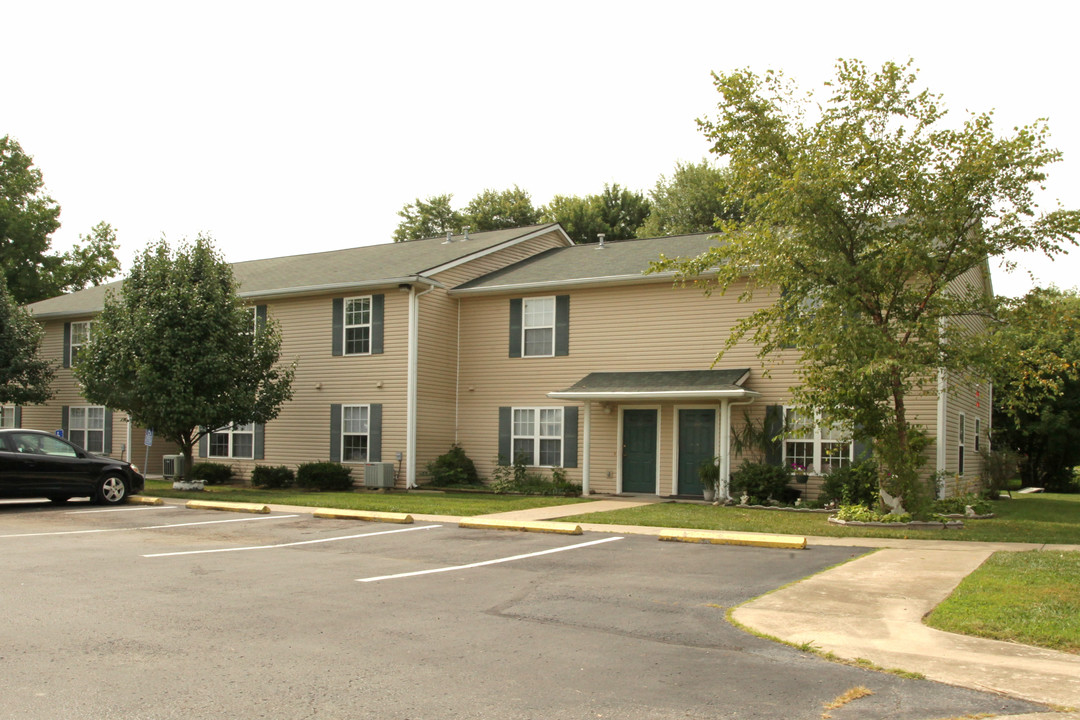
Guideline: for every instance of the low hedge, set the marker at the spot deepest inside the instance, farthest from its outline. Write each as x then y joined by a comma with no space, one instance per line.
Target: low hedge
324,476
212,473
272,477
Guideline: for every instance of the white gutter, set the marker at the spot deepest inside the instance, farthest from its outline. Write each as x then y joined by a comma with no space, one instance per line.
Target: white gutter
576,282
410,397
584,395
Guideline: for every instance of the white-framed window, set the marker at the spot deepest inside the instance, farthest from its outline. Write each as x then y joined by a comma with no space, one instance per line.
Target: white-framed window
357,326
961,438
80,335
978,432
538,327
7,416
86,426
811,447
536,436
355,432
234,441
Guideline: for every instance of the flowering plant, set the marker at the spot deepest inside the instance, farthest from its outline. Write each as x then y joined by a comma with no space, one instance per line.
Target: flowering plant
798,467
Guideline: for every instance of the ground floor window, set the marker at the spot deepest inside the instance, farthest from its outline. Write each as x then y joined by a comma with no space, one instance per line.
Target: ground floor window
537,436
86,428
355,432
7,416
811,446
234,441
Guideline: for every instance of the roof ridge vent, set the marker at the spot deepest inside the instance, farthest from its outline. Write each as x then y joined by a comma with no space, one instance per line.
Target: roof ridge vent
449,237
465,233
600,238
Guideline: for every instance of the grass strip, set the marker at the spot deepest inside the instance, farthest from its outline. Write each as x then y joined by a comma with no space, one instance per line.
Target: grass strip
1024,597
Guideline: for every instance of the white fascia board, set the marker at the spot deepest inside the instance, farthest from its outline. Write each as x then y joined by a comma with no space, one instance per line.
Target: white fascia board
655,395
84,312
332,287
501,246
576,282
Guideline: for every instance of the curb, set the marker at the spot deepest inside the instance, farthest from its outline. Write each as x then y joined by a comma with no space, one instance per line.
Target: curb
563,528
369,515
721,537
144,500
228,506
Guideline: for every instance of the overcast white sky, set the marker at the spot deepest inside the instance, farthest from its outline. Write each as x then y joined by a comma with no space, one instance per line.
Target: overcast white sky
282,128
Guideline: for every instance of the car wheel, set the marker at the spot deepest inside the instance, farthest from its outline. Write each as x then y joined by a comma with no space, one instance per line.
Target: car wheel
59,499
112,490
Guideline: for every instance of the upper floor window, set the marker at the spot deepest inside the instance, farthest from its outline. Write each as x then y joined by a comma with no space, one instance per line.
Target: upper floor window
86,427
234,441
80,335
358,326
538,327
813,447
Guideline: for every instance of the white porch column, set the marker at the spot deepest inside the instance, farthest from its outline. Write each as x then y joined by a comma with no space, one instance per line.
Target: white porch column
725,450
585,451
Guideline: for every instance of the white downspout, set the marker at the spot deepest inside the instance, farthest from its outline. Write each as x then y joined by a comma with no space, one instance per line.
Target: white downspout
942,423
725,457
127,452
585,454
410,392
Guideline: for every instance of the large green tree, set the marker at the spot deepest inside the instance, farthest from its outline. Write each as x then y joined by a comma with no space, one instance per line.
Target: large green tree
1037,385
616,212
181,352
28,217
24,375
692,200
495,210
427,218
865,214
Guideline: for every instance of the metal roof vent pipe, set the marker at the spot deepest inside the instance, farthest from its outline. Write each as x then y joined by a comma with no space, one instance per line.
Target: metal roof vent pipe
449,237
600,238
465,233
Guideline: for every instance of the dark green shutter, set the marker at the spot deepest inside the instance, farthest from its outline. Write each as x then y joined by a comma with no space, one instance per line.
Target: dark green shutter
260,318
570,426
374,441
335,433
18,417
204,446
378,302
515,327
67,345
64,422
106,445
259,441
774,431
861,448
338,326
562,325
505,453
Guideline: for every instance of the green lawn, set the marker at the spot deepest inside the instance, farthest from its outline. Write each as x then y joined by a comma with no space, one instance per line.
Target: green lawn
456,504
1040,518
1028,597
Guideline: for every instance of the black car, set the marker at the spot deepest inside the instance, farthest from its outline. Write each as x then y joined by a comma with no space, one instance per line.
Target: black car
36,464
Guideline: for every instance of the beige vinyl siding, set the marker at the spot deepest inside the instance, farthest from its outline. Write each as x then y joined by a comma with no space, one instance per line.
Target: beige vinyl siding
497,260
436,376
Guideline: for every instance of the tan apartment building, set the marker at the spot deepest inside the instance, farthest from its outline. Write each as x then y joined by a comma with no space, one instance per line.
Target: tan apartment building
505,342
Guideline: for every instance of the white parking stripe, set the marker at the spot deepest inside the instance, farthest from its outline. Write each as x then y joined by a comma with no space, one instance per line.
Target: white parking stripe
292,544
123,509
487,562
148,527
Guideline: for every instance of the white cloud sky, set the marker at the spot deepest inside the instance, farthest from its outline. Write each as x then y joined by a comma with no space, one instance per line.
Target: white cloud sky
282,128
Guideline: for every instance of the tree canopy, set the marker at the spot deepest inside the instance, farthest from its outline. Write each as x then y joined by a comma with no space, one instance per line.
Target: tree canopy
1037,385
181,352
427,218
28,217
616,212
867,224
495,210
24,376
692,200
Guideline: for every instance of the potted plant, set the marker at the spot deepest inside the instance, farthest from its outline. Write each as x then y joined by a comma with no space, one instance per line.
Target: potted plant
709,474
801,475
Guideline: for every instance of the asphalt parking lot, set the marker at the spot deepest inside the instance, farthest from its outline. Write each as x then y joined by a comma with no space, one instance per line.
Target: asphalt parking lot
164,612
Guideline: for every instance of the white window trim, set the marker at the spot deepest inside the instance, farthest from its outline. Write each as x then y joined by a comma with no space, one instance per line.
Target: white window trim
345,326
536,436
75,347
977,430
231,430
961,441
7,416
525,327
817,440
344,434
85,426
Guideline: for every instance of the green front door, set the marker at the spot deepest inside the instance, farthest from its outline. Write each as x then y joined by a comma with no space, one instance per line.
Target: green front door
697,444
639,451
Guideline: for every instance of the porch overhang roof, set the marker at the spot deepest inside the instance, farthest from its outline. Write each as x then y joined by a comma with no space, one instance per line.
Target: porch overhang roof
660,385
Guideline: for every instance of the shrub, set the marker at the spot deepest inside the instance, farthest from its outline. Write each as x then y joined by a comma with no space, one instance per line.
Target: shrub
853,485
760,481
453,468
958,504
212,473
517,479
858,513
273,477
324,476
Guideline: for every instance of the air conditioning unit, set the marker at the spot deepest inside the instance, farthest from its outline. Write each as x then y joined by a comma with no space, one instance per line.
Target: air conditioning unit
379,475
172,466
